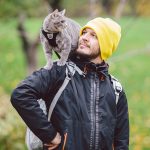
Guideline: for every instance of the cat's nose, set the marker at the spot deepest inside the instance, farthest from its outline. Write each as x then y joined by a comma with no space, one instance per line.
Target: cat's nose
65,24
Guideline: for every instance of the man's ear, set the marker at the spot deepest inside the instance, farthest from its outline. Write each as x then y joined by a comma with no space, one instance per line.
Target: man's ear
63,12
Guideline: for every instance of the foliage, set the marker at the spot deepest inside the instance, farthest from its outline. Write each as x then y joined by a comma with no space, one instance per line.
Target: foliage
39,8
142,7
12,129
130,63
12,8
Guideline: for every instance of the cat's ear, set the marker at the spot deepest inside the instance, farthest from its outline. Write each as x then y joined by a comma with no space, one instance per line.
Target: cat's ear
55,11
63,12
49,11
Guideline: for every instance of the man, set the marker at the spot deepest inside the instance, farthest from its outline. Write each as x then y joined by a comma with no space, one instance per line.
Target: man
89,119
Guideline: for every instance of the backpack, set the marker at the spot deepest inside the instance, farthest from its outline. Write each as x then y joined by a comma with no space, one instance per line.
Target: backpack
32,141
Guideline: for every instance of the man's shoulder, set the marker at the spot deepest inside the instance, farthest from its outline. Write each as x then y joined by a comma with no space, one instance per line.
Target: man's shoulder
45,74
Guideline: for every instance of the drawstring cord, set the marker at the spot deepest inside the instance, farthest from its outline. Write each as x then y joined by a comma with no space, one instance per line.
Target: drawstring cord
65,140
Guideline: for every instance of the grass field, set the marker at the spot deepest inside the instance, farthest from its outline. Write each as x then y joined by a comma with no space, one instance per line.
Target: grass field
130,64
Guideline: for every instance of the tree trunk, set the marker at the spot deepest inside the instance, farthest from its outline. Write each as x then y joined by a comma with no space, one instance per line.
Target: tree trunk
54,4
120,9
92,8
107,6
29,48
133,4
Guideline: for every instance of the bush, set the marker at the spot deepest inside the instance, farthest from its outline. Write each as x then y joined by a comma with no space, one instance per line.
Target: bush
12,129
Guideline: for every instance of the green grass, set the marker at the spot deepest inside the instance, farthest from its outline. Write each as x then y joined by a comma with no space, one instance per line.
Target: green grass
135,76
130,64
135,34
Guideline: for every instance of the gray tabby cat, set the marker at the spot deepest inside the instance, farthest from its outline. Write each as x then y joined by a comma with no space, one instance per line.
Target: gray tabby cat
60,34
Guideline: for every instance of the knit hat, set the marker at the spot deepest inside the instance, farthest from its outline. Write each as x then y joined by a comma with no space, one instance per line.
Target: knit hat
108,33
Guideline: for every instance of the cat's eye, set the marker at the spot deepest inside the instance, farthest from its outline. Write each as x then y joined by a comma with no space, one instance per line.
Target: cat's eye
62,21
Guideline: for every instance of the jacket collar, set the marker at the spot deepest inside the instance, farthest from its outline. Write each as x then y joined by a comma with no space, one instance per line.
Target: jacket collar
87,66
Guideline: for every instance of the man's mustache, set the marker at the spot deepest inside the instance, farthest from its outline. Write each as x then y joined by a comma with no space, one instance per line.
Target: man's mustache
84,44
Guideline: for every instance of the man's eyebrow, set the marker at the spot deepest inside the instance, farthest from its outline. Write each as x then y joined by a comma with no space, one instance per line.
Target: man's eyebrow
84,29
94,33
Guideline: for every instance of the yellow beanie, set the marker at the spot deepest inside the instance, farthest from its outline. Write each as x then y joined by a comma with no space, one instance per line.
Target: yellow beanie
108,33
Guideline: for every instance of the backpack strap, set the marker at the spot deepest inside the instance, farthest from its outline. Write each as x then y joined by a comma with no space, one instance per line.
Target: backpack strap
117,87
72,68
70,71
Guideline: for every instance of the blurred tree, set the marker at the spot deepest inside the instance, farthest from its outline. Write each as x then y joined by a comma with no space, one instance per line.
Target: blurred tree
55,4
29,48
132,4
94,8
120,8
92,12
12,8
143,7
36,8
107,6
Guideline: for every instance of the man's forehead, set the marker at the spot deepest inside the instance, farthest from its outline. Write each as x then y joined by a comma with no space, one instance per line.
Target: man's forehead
89,30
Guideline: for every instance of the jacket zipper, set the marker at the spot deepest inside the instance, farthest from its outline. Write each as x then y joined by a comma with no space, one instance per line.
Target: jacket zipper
94,137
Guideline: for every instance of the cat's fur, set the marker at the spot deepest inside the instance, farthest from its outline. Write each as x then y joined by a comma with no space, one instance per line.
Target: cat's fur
66,38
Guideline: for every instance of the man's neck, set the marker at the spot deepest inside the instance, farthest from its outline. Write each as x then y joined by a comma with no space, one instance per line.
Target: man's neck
97,60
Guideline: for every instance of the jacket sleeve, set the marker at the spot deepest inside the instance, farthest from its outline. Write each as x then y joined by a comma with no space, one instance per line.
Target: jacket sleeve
24,99
121,137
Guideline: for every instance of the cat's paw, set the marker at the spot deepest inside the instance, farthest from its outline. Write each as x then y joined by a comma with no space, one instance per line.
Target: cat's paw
61,63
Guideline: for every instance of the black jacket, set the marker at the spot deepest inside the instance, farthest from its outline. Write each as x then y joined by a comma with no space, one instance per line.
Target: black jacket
89,121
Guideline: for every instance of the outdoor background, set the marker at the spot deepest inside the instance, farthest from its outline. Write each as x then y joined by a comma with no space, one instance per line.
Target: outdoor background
21,53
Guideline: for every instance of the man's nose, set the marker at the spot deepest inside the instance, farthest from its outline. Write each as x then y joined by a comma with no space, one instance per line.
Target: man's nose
85,37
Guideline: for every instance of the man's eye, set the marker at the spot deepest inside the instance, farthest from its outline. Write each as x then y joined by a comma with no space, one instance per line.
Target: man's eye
94,35
84,32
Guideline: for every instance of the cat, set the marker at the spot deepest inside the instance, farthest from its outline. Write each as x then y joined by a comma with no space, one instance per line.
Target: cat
60,34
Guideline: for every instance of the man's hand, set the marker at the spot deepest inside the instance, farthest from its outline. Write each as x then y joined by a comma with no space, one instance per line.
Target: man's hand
54,143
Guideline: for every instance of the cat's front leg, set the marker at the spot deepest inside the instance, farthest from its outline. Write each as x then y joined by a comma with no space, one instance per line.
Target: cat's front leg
47,51
48,55
65,52
64,56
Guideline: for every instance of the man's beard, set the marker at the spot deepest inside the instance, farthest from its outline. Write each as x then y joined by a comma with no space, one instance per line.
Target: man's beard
87,56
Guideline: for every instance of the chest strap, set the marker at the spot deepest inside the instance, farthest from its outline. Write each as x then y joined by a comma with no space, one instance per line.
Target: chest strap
51,37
